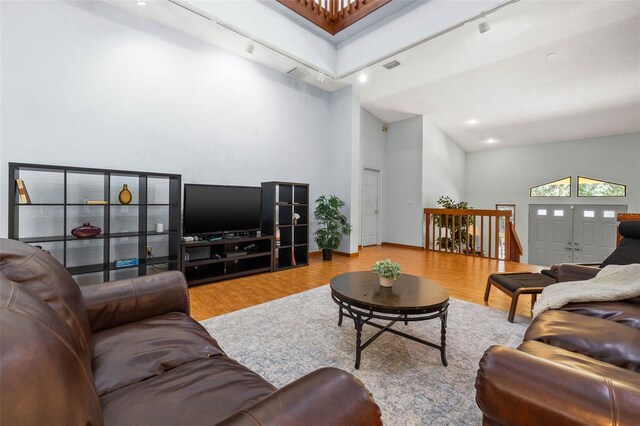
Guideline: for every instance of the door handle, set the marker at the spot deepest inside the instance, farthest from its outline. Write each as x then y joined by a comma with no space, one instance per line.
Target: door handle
568,248
578,249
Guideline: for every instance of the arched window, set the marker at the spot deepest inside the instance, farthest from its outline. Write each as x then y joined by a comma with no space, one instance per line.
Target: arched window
558,188
588,187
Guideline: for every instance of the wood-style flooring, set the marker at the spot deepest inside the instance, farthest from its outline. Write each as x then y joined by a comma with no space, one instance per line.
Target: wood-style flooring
464,276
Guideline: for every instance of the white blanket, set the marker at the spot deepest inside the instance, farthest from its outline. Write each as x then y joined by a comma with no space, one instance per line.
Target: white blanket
613,282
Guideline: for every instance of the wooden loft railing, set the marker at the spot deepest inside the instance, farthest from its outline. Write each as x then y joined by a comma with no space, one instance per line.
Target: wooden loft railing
471,232
333,16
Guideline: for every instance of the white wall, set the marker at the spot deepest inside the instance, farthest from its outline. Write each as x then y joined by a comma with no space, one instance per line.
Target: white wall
505,175
403,183
444,166
373,145
87,84
342,170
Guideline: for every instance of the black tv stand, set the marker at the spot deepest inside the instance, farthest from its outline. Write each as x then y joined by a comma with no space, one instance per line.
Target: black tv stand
208,261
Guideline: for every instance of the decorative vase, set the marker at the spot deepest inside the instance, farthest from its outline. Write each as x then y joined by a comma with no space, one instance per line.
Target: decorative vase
86,231
386,282
326,254
125,195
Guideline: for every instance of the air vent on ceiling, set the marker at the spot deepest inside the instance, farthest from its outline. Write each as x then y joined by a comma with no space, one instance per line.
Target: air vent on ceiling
299,73
392,64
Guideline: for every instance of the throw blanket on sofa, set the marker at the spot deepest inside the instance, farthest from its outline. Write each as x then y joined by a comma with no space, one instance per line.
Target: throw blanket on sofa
613,282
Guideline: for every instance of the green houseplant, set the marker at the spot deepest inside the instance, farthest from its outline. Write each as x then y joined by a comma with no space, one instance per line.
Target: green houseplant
387,270
333,225
458,227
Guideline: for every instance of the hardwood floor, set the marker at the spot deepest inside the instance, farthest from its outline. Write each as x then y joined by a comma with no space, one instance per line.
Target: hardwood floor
465,277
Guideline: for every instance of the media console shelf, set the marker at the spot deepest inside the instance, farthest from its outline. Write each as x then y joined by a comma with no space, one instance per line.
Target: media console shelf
285,215
209,261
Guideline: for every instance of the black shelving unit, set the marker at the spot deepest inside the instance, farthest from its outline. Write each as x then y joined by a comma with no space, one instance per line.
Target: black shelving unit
280,201
58,204
209,261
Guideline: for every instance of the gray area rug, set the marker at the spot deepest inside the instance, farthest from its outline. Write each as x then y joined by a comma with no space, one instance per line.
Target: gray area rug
287,338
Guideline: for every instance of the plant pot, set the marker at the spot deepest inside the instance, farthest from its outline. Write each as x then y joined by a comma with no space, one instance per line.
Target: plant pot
386,282
326,254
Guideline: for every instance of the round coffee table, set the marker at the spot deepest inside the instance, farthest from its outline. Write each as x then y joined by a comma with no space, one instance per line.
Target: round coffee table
361,298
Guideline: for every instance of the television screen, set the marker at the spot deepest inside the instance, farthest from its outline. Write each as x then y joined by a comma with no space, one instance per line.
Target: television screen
212,209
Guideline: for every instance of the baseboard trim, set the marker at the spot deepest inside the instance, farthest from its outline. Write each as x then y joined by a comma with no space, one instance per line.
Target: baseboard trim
337,253
403,246
341,253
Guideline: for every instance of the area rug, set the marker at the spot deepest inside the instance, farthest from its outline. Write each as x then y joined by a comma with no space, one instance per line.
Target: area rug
287,338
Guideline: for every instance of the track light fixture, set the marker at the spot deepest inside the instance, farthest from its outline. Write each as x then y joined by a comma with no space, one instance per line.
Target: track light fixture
321,77
250,47
483,25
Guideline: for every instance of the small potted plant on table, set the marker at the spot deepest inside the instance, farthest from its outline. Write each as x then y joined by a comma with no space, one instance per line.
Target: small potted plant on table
387,270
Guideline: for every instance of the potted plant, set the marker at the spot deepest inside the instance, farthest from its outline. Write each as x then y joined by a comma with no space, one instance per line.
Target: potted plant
333,224
457,227
387,270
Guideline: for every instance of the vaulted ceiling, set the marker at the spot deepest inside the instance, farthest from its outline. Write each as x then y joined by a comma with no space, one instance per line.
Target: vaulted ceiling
545,71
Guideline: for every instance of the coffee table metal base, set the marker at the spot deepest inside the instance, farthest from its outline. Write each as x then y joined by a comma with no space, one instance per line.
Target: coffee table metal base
361,316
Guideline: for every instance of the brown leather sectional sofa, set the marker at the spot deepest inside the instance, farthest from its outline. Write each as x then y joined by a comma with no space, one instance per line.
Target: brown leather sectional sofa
128,353
578,365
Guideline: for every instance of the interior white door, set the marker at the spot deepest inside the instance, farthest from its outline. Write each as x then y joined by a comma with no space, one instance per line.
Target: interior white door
594,232
550,231
370,209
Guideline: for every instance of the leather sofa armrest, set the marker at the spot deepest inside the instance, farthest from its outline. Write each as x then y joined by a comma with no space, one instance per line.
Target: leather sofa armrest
121,302
571,272
513,387
327,396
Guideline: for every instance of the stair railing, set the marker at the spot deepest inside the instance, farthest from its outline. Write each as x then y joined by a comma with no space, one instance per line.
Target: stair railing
472,232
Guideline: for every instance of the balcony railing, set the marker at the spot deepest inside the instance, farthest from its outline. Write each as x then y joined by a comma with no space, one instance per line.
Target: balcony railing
471,232
333,15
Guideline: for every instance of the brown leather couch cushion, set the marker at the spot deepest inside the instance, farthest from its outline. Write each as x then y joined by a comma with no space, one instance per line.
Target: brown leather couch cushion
580,362
603,340
626,313
44,378
143,349
45,277
121,302
202,392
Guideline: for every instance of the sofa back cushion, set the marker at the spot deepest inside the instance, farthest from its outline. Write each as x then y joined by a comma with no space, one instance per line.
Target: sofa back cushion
45,277
44,377
628,251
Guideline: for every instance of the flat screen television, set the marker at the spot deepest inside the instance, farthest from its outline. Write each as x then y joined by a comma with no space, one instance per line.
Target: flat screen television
217,209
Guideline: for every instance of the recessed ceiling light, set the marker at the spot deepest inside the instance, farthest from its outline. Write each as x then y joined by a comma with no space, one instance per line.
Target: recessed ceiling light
472,121
551,55
141,3
491,140
363,78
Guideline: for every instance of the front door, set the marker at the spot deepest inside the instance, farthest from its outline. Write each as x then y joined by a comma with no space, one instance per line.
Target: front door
370,211
550,229
594,232
572,233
